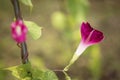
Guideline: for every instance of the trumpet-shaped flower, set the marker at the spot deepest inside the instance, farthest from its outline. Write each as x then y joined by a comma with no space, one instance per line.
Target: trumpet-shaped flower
89,36
19,31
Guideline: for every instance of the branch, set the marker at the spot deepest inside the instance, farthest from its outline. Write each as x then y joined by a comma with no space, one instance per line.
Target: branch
23,46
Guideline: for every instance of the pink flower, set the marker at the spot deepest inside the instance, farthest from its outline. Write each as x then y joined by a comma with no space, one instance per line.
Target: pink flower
19,31
89,36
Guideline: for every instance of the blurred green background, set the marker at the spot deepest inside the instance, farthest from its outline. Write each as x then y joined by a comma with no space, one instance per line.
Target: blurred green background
60,20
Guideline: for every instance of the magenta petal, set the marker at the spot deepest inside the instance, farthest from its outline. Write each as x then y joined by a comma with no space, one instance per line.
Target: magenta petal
96,37
90,35
85,30
19,31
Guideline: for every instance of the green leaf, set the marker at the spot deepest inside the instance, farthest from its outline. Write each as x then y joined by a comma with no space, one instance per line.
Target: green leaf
37,74
26,72
34,29
27,2
49,75
43,75
21,72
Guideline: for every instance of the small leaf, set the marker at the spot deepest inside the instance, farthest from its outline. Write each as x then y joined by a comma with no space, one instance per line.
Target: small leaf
37,74
49,75
28,3
33,29
21,72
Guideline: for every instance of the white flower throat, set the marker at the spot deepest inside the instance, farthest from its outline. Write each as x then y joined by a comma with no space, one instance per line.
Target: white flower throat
18,30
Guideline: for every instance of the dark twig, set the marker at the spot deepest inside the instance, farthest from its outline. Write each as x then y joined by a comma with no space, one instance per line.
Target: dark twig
23,46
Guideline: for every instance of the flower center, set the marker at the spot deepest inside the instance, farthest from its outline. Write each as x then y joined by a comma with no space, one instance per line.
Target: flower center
18,30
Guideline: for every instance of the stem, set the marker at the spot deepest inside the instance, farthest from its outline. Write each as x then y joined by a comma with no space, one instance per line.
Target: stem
24,52
81,48
74,58
17,11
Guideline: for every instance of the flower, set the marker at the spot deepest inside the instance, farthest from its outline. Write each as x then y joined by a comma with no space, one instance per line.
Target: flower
89,36
19,31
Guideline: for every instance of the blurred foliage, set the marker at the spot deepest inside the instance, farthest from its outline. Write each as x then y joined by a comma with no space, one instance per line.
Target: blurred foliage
78,10
95,62
59,20
2,73
28,3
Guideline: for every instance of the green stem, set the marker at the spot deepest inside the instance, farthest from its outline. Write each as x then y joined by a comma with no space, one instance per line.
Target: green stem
81,48
74,58
67,77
